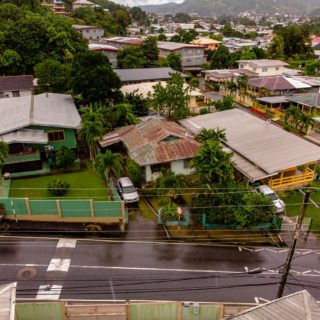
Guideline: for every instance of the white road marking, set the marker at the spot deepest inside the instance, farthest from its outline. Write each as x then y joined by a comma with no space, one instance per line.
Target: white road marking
256,299
112,290
246,268
49,292
67,243
240,249
59,265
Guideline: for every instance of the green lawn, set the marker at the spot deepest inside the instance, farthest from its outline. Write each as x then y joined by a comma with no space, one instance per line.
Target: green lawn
36,188
293,204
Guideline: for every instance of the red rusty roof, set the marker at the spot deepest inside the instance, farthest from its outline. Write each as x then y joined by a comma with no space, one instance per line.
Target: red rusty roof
154,141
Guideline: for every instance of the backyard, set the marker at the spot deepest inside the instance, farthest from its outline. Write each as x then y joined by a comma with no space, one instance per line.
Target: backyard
86,184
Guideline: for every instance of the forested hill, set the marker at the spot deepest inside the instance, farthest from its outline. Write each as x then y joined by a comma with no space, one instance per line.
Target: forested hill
232,7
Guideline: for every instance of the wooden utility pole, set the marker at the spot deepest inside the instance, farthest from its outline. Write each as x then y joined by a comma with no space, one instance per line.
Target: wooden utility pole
293,245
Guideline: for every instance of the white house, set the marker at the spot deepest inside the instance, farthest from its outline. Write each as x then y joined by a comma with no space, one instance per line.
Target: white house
83,4
155,145
109,51
89,32
264,67
16,86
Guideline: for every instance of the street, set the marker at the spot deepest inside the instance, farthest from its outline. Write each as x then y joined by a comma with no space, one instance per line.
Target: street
121,270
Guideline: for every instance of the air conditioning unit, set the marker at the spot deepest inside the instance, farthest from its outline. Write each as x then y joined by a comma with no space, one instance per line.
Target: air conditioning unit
48,148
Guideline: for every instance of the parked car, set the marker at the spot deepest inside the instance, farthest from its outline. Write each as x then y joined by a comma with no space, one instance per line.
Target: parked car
269,193
127,190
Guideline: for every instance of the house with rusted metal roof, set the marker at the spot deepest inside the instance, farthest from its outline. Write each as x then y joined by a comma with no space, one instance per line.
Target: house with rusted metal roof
155,145
16,86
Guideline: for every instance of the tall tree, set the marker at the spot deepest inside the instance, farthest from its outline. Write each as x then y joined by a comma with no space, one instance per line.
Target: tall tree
213,164
150,51
92,77
92,128
130,57
109,163
171,99
212,134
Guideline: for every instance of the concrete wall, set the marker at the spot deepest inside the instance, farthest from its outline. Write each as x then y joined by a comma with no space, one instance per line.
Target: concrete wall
263,72
190,57
92,34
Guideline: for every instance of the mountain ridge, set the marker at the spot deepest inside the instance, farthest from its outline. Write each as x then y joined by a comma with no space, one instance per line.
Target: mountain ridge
234,7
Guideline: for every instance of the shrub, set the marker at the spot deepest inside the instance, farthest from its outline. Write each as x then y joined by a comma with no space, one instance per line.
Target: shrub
203,110
64,157
169,212
58,187
134,172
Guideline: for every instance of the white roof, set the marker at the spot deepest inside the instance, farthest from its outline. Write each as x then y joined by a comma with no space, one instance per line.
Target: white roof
146,88
25,136
100,46
298,84
297,306
264,62
260,148
7,301
47,109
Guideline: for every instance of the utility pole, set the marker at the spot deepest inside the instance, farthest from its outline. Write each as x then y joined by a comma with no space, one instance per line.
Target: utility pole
293,245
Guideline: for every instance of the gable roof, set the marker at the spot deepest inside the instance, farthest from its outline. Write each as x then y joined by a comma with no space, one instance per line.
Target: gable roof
154,141
260,63
260,148
297,306
7,301
16,83
278,83
145,74
306,99
172,46
47,109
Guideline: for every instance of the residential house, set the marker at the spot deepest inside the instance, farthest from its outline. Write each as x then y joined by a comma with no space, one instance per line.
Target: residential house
107,50
57,6
120,42
224,75
90,32
262,152
36,125
207,42
130,76
264,67
16,86
195,97
277,85
308,102
155,145
316,49
83,4
192,56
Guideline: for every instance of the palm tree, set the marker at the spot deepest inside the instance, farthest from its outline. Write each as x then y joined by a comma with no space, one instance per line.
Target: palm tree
109,163
214,134
307,121
92,128
293,115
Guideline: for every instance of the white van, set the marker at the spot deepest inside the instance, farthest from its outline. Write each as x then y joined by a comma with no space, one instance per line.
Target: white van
127,190
269,193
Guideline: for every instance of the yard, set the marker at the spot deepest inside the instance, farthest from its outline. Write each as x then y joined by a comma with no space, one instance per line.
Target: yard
83,185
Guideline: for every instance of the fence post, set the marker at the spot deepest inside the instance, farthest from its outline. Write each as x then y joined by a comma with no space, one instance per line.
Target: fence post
123,219
28,206
91,208
58,208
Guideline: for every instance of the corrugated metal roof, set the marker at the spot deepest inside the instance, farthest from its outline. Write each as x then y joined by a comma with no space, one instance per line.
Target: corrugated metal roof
172,46
265,63
47,109
265,145
307,99
154,141
273,99
7,301
25,136
14,83
297,306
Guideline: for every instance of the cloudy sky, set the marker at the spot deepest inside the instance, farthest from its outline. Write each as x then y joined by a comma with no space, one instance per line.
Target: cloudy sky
143,2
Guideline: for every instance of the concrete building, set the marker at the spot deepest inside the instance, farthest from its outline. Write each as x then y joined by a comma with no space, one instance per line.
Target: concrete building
192,56
16,86
264,67
155,145
83,4
109,51
89,32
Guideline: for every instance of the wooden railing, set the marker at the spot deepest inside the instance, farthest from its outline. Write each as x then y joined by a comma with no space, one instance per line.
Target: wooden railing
297,179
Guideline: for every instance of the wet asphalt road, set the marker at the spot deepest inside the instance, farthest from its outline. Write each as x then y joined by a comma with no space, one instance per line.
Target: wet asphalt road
120,270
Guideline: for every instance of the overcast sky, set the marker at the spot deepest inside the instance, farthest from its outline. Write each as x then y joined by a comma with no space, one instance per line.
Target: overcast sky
132,3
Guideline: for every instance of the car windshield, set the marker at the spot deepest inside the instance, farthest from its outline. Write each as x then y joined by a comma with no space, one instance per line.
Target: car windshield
129,189
272,196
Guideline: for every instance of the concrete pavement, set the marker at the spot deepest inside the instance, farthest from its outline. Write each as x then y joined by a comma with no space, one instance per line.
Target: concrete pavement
96,269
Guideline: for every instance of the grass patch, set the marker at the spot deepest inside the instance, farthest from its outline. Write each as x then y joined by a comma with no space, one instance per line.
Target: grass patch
146,211
36,188
293,202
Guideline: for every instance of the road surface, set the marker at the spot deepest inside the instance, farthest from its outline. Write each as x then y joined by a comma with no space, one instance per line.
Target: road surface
50,269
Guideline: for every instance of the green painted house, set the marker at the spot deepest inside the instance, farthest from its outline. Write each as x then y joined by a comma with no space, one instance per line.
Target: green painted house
35,126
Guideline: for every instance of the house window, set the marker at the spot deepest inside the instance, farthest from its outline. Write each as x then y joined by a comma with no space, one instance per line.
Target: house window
156,168
1,94
264,69
241,66
277,68
15,93
186,163
54,136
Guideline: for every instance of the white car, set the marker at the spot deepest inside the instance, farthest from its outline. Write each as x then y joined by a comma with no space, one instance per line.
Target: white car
127,190
269,193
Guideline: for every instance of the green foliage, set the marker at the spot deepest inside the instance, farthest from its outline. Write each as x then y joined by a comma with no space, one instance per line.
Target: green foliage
122,115
225,104
182,18
138,103
92,77
58,187
109,163
122,19
4,150
194,83
64,157
204,110
134,172
170,183
131,57
162,37
298,119
174,60
140,16
169,211
212,164
212,134
53,76
171,99
150,51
